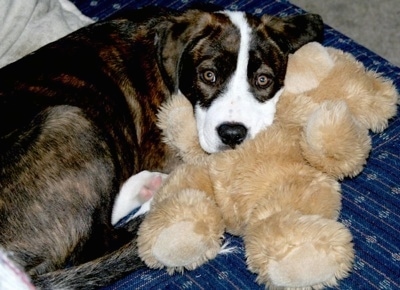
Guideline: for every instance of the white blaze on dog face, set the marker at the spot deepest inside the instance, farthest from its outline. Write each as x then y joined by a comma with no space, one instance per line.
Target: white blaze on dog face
236,107
240,109
233,71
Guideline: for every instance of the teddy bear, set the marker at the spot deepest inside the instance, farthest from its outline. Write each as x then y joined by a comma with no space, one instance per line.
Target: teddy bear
279,191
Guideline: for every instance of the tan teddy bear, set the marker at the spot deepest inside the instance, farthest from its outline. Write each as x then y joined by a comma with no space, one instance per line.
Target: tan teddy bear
279,191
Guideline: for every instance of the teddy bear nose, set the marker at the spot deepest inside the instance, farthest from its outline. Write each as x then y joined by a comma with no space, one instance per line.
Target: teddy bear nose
232,134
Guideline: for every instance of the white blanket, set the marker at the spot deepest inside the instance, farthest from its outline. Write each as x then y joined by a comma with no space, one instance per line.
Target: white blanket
26,25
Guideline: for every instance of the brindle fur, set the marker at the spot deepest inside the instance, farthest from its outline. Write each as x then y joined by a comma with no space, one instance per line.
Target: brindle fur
77,118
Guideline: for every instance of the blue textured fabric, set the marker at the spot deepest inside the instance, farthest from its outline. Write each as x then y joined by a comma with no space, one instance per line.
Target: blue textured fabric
371,201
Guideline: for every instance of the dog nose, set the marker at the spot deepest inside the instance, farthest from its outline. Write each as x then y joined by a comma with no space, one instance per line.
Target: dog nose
232,134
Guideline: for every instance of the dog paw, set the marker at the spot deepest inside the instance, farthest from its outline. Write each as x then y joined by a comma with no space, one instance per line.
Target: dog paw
136,191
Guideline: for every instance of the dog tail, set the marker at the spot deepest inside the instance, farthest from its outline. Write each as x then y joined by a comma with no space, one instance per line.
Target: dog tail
93,274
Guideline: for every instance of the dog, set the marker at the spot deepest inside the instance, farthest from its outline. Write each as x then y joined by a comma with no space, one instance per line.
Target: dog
78,118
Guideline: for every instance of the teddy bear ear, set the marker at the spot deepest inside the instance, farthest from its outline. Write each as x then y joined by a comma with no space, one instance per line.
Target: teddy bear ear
292,32
307,67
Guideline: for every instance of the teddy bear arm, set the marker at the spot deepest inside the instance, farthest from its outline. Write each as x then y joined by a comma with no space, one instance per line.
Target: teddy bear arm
371,98
327,73
178,125
334,142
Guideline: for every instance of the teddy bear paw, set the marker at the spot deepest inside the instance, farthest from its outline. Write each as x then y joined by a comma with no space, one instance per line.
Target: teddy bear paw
334,142
181,232
295,251
179,247
305,267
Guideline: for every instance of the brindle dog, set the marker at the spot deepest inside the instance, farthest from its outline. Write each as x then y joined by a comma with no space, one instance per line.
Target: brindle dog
78,117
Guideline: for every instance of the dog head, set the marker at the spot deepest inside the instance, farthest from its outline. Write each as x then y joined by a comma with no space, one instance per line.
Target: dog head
231,66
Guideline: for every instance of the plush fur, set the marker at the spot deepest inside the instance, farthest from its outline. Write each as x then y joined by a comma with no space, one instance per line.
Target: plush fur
78,117
281,190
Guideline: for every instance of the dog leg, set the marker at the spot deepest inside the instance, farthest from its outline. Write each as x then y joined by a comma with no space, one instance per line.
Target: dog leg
136,191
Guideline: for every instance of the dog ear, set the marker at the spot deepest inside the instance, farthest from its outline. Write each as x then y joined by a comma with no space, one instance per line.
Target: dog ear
174,36
292,32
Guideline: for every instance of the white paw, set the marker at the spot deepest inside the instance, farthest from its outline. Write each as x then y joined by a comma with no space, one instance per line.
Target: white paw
136,191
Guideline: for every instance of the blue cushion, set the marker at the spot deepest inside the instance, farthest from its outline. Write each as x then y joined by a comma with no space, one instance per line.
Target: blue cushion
371,201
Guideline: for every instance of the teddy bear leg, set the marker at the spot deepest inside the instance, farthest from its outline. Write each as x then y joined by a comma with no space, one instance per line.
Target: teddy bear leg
184,227
181,232
291,250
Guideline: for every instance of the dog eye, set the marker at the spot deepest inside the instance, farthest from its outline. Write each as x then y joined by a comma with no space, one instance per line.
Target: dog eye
209,76
263,81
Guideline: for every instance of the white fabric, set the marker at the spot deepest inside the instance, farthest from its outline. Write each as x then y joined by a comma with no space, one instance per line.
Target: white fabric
26,25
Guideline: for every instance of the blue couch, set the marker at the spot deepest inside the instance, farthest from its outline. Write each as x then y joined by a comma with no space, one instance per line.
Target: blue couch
371,201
